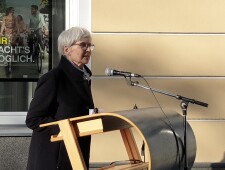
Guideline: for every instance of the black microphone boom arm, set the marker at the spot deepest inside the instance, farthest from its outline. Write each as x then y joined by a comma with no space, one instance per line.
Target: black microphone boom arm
179,97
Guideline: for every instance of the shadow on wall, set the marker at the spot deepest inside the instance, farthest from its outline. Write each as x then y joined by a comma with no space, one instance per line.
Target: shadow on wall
210,166
220,164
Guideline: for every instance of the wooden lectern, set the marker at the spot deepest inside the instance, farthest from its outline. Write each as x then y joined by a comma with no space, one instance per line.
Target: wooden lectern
162,135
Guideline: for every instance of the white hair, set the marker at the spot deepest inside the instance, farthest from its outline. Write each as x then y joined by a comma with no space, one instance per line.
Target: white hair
70,36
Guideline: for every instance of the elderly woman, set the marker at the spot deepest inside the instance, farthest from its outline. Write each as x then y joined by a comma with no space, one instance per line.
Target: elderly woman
62,93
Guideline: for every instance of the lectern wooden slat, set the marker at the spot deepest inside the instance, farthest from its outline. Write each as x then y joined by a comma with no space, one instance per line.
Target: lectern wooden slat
161,134
71,143
130,144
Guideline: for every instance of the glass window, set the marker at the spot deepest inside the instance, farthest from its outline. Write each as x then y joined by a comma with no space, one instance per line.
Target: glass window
28,47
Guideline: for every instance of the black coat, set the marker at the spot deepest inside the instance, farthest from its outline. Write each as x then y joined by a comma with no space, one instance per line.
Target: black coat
60,94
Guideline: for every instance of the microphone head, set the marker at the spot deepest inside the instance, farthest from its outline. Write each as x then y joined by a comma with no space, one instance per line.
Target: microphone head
108,72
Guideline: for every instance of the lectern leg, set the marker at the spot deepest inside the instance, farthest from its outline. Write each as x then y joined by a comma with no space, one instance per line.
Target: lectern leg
130,144
72,145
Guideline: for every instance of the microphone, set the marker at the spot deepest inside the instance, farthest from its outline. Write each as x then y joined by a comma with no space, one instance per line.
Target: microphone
112,72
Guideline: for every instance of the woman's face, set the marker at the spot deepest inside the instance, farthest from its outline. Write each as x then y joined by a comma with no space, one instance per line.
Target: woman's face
79,53
19,18
11,12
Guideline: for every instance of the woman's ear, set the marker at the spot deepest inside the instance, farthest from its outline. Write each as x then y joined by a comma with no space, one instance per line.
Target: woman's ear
66,50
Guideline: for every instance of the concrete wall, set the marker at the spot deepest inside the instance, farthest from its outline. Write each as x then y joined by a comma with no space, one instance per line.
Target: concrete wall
14,152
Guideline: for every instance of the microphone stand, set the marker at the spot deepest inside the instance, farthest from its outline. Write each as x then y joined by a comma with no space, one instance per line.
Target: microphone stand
184,105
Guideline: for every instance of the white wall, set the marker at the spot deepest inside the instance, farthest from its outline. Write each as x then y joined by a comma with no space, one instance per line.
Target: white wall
78,13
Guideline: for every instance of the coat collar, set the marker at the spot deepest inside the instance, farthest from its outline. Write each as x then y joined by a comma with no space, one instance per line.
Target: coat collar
71,71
